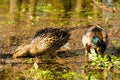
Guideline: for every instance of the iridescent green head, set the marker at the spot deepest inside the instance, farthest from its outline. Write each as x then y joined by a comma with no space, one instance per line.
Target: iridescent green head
96,41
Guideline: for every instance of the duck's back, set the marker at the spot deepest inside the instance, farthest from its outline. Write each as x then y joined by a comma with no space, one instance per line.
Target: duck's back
95,36
49,40
94,31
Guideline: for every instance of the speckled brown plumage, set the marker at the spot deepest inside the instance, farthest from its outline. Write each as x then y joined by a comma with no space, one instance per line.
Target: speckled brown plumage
45,41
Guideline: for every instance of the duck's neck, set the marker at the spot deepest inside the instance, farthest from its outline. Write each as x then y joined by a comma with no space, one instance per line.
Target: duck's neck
27,47
33,49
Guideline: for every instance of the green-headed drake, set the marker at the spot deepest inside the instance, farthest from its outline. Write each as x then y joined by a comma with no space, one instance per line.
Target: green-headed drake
95,38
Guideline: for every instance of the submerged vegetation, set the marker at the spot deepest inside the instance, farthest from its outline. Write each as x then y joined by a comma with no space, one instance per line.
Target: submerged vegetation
107,62
52,74
100,68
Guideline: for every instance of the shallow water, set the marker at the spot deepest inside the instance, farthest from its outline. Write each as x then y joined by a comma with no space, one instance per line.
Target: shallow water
72,61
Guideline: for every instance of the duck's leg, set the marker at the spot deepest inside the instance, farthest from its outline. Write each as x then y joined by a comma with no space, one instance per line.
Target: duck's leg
37,58
86,56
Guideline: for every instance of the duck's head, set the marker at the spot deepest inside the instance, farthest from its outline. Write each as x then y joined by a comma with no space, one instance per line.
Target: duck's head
21,51
96,41
98,44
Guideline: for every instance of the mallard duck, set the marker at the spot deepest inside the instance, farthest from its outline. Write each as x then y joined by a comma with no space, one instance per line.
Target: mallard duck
45,41
96,38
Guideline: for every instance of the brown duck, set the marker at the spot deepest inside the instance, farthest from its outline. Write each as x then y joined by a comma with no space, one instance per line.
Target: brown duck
45,41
